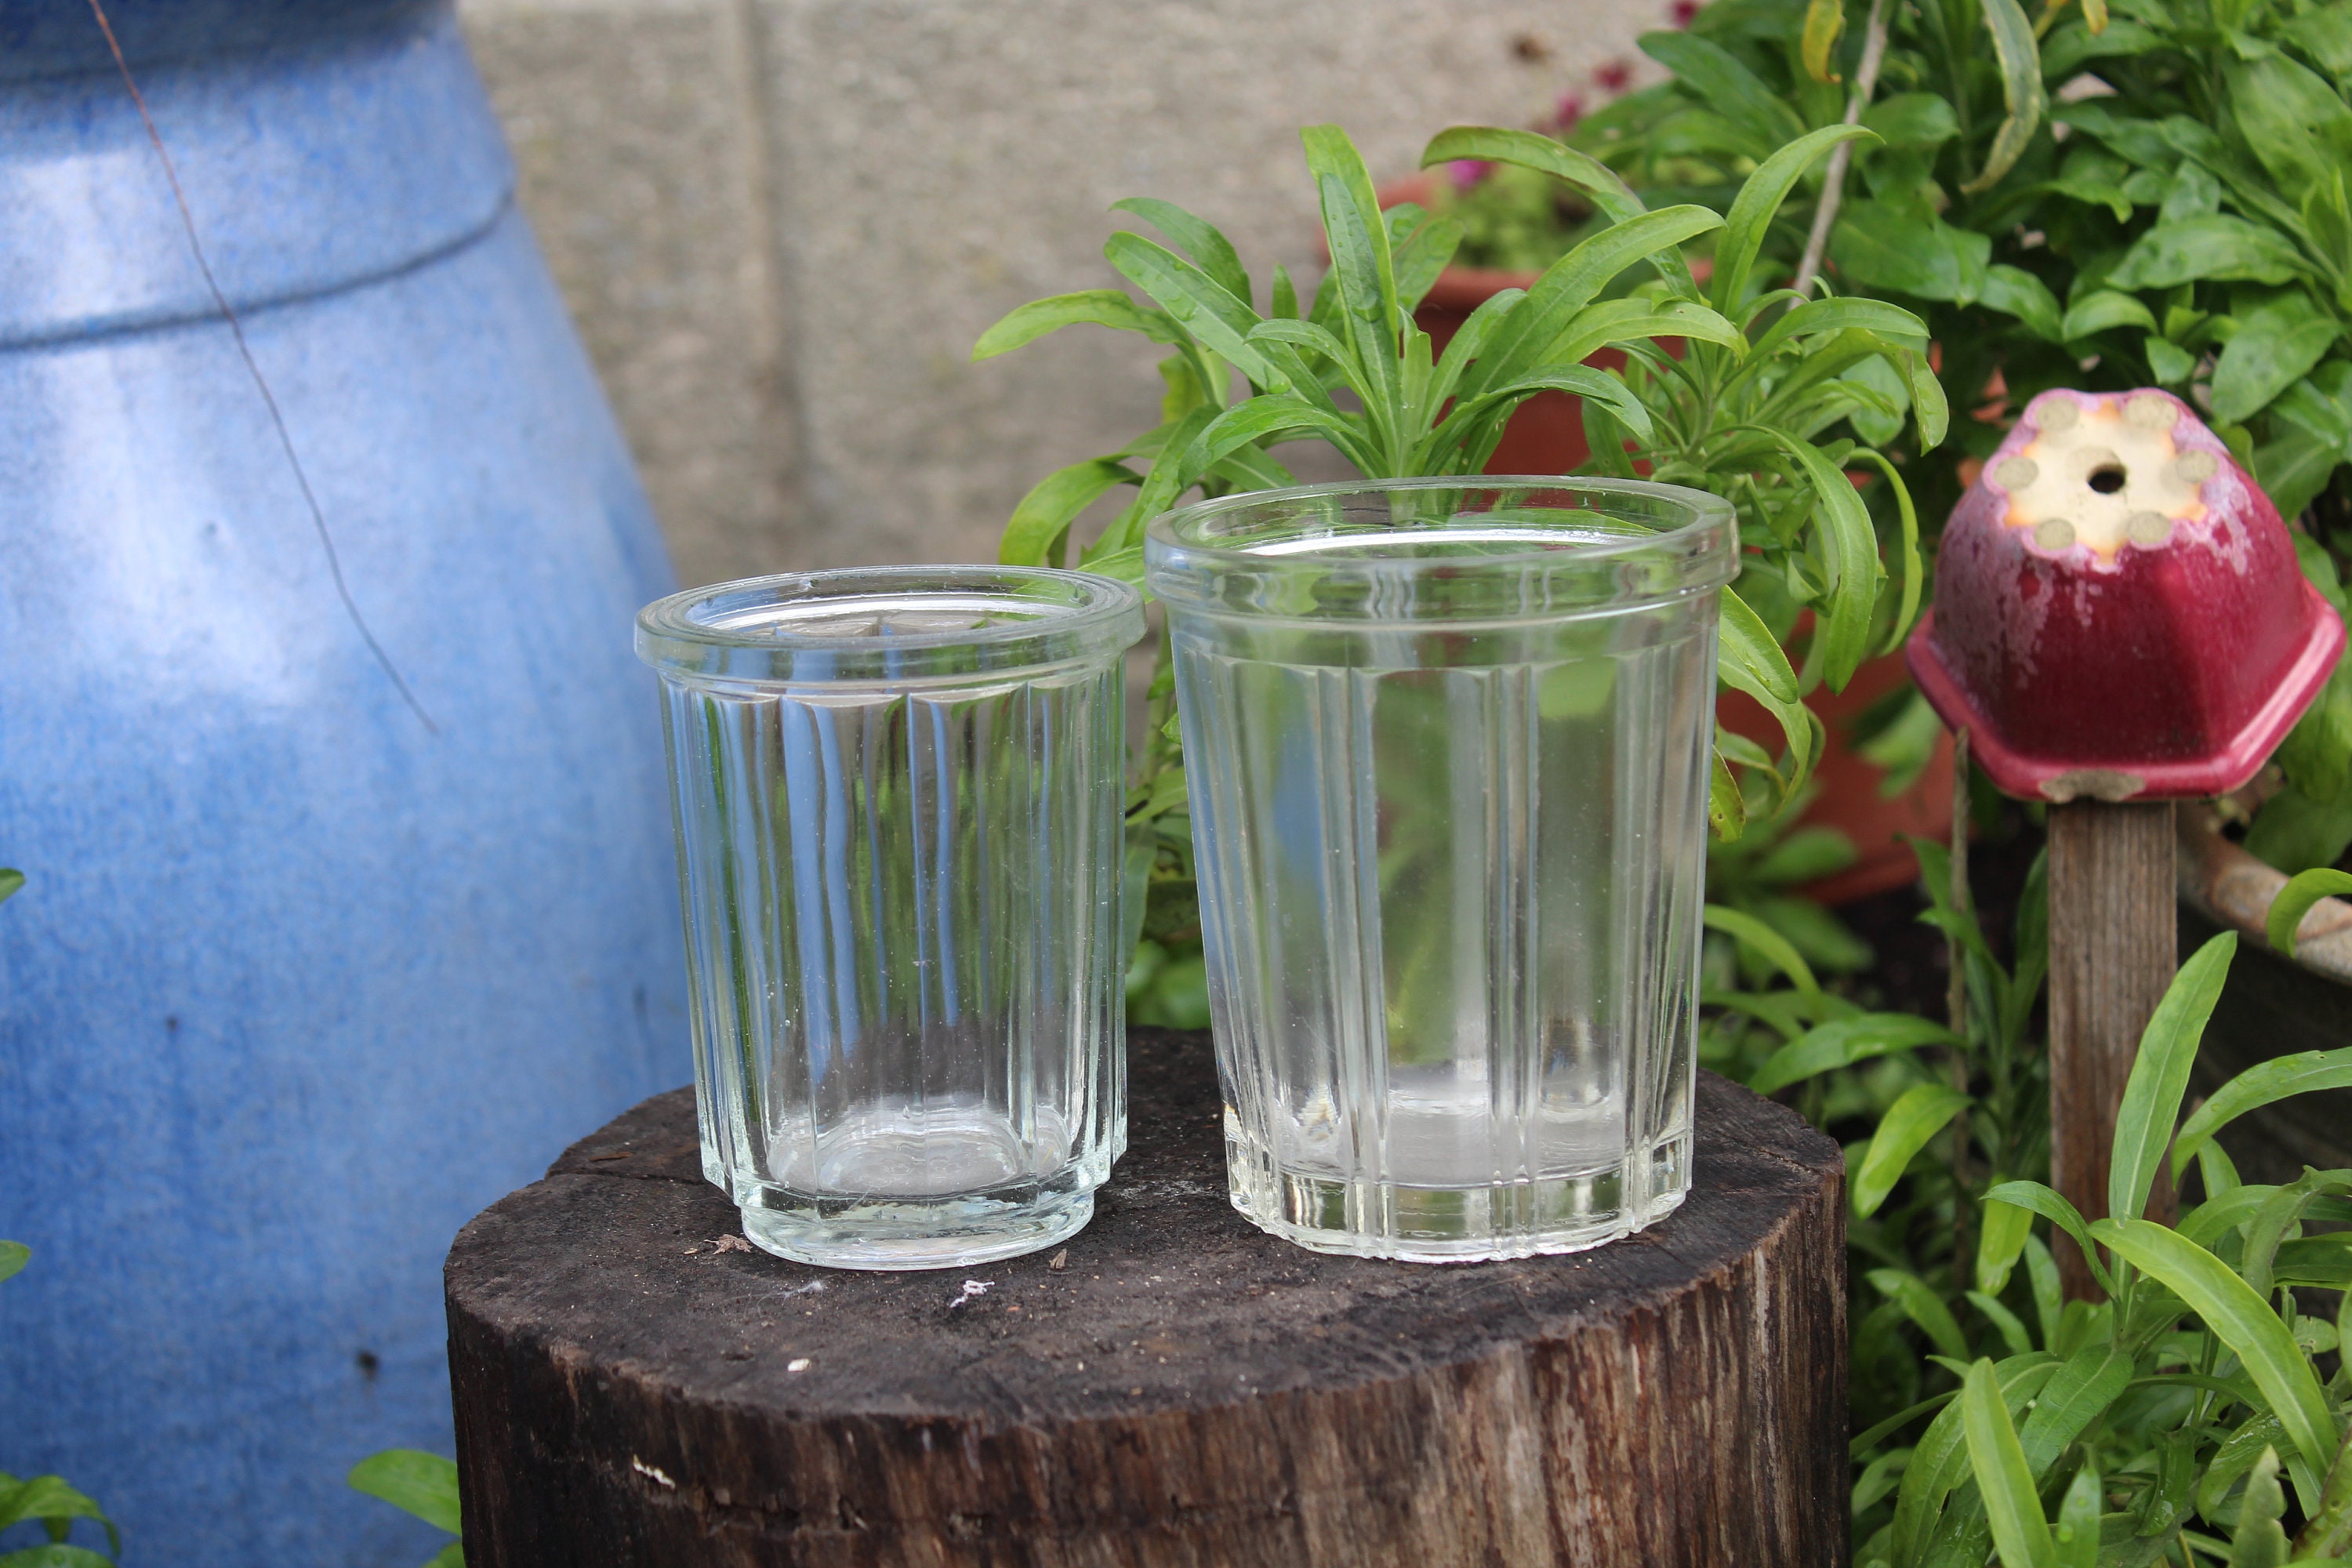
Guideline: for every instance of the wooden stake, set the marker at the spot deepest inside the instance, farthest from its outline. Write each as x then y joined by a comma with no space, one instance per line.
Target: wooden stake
2112,950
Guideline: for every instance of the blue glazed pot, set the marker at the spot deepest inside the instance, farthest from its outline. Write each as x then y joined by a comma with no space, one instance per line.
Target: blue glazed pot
297,986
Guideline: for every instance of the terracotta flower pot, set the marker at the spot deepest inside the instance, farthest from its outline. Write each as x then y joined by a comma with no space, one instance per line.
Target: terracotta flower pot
1546,435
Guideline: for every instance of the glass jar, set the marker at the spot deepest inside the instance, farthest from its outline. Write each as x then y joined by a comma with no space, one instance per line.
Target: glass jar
1446,743
897,798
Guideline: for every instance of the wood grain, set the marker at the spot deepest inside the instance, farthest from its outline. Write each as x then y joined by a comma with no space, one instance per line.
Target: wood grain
1184,1393
2112,953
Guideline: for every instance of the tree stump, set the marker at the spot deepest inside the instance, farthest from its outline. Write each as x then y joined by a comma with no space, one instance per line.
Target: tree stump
1179,1390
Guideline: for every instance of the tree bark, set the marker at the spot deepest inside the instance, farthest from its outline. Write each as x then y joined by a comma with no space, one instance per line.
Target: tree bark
1179,1391
2112,953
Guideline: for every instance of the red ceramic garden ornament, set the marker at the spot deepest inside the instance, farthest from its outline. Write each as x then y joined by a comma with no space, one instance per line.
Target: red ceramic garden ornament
2119,622
2119,612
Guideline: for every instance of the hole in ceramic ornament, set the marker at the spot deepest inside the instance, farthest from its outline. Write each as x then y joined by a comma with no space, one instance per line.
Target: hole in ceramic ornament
2107,478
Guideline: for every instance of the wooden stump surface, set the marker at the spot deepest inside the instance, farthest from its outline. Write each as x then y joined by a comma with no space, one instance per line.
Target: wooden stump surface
633,1387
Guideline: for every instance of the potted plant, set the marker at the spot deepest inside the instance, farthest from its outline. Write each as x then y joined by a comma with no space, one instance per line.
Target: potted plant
1242,383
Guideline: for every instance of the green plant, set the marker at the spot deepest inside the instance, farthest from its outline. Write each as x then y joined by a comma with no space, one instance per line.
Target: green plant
2150,193
45,1499
1743,420
2194,1415
418,1483
1754,416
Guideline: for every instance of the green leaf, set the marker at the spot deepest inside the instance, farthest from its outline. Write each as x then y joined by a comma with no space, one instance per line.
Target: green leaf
13,1255
1879,245
2169,365
10,881
2067,50
1850,552
450,1556
1807,855
2293,120
2015,291
1941,1460
2077,1395
46,1498
1727,809
1760,200
1640,321
1469,341
2293,468
2218,247
1842,1042
2159,1075
1912,120
1921,1113
2265,1083
2020,89
1836,315
1045,512
2297,899
2076,1537
1330,156
1748,659
1545,154
1767,944
2018,1530
2324,34
1534,334
1713,75
2054,1206
2274,345
2102,309
1471,414
1209,248
1924,1307
1269,420
1219,318
2011,1329
1912,575
1426,252
1100,307
2258,1542
2241,1320
2235,1456
56,1554
2000,1236
412,1481
1361,266
1824,25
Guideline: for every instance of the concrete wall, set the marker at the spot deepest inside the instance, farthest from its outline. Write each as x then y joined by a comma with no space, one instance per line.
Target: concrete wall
781,224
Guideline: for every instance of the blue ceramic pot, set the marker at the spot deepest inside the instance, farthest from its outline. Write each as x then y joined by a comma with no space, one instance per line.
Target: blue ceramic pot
296,984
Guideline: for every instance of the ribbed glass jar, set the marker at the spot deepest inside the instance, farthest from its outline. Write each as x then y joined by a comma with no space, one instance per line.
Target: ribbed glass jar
1447,743
897,795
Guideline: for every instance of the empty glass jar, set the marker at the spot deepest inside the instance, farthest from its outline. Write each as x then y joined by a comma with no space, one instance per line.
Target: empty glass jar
1447,748
897,795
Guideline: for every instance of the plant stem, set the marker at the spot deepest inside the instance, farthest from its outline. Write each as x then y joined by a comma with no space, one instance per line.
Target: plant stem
1833,184
1956,1003
1866,79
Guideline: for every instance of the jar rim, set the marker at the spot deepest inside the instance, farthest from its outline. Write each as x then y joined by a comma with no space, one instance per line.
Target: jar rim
1697,550
743,630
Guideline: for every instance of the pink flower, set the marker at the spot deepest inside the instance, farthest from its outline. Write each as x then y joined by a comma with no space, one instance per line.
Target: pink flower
1466,172
1615,76
1682,12
1568,111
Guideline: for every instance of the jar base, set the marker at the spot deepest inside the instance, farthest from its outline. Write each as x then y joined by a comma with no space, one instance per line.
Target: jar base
1407,1224
909,1233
